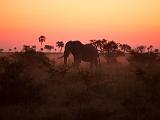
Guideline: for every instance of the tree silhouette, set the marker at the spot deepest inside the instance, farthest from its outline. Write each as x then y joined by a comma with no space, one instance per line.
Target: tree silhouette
110,47
48,47
25,48
141,49
42,39
60,45
15,49
156,50
150,48
1,50
125,48
99,44
10,50
34,47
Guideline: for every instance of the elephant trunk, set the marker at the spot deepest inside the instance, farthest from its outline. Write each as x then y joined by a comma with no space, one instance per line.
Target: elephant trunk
66,54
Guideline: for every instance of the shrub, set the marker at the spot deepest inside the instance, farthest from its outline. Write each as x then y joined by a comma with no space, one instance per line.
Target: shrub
31,57
16,83
142,57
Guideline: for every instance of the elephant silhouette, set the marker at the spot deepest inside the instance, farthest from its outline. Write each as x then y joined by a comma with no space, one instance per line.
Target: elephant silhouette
81,52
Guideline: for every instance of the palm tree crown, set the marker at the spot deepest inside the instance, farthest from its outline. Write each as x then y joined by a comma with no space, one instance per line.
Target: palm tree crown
42,39
60,45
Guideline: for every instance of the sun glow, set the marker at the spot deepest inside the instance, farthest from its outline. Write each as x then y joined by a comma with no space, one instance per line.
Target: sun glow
134,22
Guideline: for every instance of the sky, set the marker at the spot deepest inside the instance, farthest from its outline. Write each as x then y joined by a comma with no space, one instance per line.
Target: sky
135,22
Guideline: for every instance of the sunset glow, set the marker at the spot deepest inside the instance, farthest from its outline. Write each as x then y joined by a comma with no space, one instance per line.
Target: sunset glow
134,22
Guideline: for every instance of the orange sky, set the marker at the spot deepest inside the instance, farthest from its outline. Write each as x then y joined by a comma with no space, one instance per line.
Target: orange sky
128,21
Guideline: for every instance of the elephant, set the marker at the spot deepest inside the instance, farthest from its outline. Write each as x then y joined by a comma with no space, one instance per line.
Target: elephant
81,52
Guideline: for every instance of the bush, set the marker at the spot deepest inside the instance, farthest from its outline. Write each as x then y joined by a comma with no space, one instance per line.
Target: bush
142,57
16,83
31,57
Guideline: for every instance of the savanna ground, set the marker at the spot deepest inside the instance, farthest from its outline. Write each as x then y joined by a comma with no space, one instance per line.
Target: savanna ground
33,87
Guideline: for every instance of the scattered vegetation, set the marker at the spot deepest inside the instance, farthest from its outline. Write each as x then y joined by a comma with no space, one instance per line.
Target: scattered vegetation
16,82
33,86
60,45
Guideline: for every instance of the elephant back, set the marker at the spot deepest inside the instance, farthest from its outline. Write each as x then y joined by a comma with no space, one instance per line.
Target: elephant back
89,52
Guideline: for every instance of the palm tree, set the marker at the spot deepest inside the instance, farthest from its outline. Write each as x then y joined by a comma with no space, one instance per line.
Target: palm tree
60,45
42,39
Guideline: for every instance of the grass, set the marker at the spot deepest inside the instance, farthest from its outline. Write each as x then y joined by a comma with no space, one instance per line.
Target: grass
113,92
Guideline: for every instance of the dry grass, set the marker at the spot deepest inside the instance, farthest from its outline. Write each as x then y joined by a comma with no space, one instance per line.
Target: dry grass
111,92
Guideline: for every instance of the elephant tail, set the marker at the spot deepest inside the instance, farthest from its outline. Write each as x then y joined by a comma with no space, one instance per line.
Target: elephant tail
61,57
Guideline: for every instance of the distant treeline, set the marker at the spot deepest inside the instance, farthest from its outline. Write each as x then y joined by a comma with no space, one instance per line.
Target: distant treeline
103,46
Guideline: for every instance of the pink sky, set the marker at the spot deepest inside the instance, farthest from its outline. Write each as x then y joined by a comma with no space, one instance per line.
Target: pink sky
126,21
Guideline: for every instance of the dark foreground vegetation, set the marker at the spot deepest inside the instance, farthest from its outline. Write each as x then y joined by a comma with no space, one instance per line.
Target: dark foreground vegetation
32,87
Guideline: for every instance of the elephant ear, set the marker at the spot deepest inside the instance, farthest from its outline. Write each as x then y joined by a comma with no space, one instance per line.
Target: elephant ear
76,47
69,44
